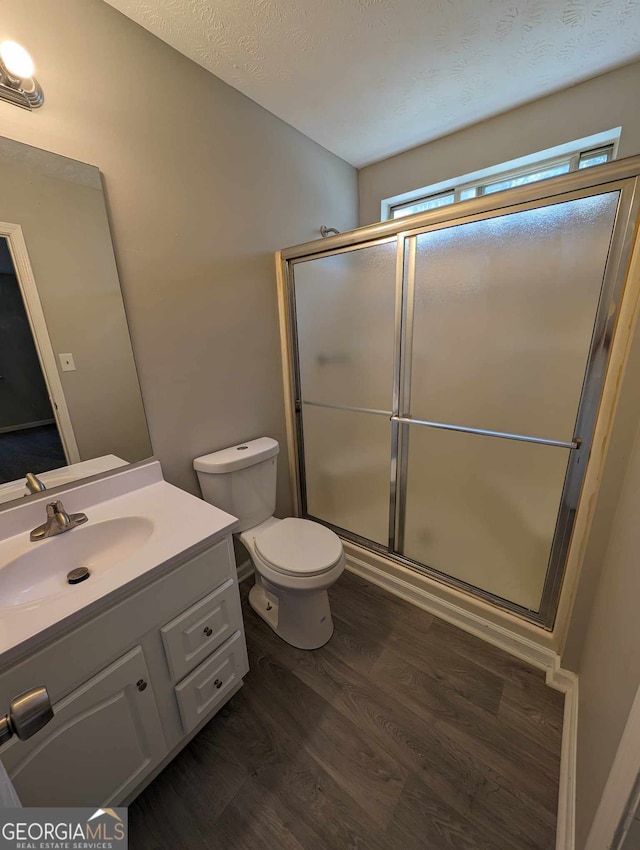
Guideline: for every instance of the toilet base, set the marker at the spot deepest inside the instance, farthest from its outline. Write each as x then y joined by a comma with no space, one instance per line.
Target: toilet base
302,619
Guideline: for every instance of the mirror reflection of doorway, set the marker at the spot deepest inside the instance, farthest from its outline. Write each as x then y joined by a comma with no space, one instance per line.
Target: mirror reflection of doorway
29,437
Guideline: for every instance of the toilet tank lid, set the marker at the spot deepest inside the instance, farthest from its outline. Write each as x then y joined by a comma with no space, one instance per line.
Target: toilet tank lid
237,457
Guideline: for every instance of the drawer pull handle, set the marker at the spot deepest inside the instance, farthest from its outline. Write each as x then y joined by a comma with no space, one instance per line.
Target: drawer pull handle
208,632
141,684
218,683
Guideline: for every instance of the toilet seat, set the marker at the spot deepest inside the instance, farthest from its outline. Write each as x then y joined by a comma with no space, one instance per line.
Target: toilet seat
299,547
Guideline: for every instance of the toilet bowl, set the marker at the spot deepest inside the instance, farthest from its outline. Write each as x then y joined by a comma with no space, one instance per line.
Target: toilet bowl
295,560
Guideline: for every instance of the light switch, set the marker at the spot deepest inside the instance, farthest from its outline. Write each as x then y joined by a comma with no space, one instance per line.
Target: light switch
66,362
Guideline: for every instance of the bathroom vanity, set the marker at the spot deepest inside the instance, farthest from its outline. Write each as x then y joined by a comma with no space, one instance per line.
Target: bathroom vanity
137,658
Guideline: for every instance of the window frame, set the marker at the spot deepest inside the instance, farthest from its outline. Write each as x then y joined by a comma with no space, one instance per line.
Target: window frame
478,182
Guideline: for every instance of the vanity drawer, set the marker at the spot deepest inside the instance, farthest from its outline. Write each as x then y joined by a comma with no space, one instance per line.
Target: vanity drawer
198,631
209,684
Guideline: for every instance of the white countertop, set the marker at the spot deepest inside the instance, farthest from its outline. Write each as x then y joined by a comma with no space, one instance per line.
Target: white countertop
181,522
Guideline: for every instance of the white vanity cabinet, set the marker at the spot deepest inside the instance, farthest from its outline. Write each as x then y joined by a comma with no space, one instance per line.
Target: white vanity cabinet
103,739
130,684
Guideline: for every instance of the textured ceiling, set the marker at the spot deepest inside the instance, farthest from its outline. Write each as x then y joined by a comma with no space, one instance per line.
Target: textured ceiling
369,78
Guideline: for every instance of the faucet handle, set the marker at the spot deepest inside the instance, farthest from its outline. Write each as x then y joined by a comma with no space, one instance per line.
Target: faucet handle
59,514
64,519
34,485
58,520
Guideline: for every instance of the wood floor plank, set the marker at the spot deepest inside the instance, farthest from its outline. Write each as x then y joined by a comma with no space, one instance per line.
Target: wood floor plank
410,638
316,808
496,661
158,820
279,764
357,646
537,715
525,766
454,673
464,715
446,761
401,733
451,661
366,773
243,736
439,682
377,608
423,821
207,779
252,822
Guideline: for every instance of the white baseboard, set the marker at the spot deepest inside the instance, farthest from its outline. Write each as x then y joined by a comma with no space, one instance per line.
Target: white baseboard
244,570
538,656
567,682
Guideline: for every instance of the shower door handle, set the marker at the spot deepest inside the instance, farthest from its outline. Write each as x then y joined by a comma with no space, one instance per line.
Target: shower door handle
576,443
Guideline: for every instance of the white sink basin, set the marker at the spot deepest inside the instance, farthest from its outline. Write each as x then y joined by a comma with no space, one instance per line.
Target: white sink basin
138,526
41,570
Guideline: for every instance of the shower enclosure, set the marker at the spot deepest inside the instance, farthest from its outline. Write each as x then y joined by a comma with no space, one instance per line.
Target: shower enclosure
445,376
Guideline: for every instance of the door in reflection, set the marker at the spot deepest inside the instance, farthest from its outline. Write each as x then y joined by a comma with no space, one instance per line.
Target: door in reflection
29,437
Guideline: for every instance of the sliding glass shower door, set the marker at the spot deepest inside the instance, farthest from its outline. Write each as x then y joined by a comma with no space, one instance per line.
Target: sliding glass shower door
503,313
346,309
447,383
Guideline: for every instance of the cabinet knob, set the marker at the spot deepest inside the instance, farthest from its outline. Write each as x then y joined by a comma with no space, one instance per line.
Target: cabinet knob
218,683
141,684
207,631
28,713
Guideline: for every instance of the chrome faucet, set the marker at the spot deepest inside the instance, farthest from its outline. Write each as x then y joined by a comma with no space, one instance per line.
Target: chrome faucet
34,485
58,521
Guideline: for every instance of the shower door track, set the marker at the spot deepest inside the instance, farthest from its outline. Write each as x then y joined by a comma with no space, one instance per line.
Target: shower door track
618,176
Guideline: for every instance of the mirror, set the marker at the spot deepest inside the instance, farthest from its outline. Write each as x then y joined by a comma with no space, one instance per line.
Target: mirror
70,398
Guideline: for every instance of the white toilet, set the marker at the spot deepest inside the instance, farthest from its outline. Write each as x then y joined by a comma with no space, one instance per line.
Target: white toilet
295,560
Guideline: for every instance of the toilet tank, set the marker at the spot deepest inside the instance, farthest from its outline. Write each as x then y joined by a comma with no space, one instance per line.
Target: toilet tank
241,480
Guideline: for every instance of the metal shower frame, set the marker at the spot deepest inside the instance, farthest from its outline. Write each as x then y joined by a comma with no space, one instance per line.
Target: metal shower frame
621,176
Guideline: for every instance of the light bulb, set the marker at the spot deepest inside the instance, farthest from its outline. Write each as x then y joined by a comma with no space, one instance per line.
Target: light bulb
16,60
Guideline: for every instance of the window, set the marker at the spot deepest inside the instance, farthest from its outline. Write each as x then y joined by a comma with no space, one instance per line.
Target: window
430,203
584,153
523,179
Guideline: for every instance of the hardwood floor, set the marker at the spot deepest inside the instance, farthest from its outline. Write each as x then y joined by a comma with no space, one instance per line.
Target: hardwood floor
403,732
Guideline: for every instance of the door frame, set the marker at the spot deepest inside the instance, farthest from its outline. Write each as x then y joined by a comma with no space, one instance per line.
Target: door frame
37,322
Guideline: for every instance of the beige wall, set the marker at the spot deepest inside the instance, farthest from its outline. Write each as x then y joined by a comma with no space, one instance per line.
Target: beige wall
60,206
610,663
202,186
622,439
600,104
603,644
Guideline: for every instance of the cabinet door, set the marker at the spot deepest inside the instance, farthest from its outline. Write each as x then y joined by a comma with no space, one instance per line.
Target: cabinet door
103,739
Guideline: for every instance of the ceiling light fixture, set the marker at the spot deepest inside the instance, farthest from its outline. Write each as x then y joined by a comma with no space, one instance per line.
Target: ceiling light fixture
17,83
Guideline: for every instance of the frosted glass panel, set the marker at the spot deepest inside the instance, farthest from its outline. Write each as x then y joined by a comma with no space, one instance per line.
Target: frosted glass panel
483,509
347,466
504,314
345,307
